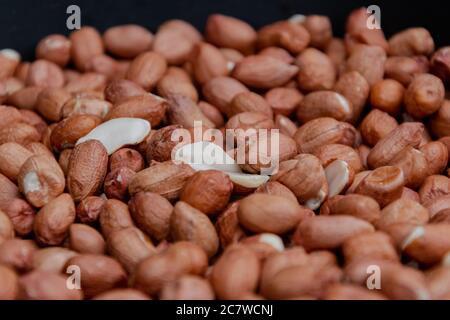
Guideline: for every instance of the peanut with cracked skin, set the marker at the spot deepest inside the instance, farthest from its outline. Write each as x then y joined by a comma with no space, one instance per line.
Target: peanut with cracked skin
359,179
41,180
87,169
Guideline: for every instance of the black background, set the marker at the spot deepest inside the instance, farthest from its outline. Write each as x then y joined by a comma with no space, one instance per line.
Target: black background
24,22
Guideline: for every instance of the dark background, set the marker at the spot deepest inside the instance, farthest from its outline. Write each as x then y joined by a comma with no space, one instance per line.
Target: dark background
24,22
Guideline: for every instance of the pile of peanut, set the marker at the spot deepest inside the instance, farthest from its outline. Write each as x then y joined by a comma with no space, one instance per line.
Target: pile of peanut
359,208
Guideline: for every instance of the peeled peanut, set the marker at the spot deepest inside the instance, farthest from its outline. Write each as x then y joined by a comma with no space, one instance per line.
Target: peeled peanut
339,176
126,131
